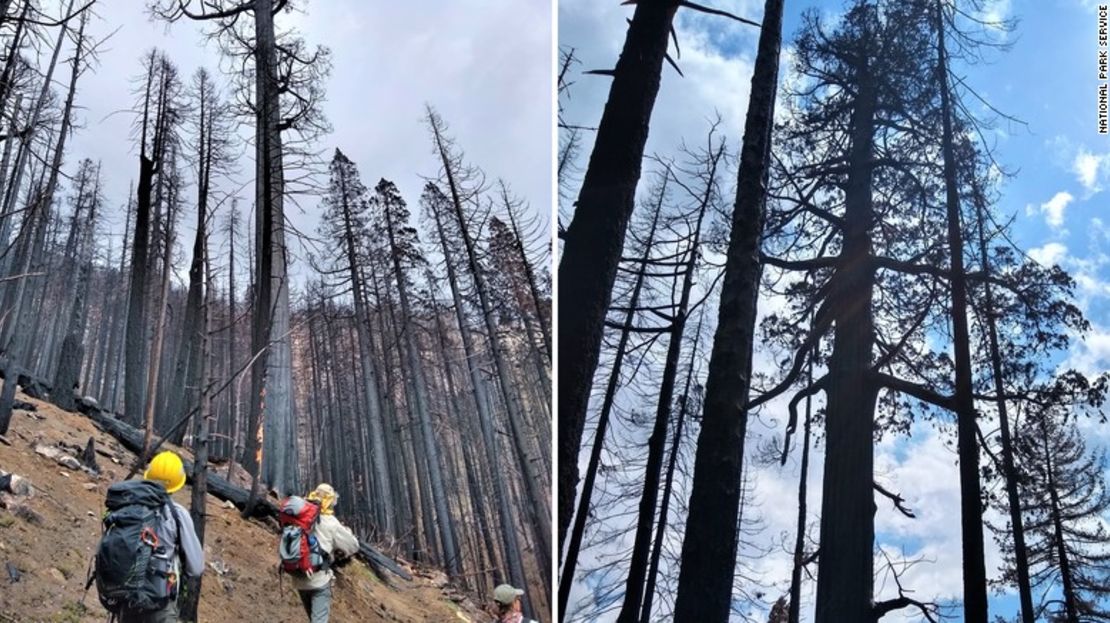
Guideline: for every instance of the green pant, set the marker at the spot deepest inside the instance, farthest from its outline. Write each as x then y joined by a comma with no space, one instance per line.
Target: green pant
168,614
317,604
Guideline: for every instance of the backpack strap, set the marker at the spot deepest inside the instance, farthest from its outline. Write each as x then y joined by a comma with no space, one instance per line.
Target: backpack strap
177,520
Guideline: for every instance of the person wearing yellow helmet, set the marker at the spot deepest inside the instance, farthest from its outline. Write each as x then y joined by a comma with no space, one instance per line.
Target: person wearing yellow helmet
176,536
337,541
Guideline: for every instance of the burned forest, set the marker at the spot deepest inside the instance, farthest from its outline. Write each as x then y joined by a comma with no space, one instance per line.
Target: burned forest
832,349
202,251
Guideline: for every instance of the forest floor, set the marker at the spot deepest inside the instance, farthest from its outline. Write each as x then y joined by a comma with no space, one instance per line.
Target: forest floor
49,538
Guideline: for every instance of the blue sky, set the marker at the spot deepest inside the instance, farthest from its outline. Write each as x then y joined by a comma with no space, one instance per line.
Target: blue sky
1058,194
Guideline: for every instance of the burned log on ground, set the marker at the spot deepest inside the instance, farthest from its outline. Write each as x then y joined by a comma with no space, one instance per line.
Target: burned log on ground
132,439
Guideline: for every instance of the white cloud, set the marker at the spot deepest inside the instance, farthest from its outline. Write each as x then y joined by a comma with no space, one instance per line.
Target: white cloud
1091,355
1049,254
995,13
1090,169
1053,209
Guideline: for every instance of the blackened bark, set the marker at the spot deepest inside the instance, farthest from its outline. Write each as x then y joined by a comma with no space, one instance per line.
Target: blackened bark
795,603
593,240
668,486
271,376
532,476
135,341
446,523
847,535
1070,609
12,341
710,545
478,389
1021,555
971,501
191,599
641,545
578,531
73,346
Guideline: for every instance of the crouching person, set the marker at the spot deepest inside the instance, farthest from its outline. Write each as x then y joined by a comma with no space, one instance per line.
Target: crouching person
311,520
145,530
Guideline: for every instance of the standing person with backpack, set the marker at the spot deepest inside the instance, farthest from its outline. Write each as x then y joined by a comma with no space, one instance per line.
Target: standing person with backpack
148,542
509,608
311,539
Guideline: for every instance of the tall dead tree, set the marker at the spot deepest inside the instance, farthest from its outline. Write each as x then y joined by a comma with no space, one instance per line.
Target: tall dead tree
161,111
971,503
404,253
454,174
709,547
171,200
88,198
202,376
345,221
33,231
438,207
578,529
677,311
592,241
284,95
211,151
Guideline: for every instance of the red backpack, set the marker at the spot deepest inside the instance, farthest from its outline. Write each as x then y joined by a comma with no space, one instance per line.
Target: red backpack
299,549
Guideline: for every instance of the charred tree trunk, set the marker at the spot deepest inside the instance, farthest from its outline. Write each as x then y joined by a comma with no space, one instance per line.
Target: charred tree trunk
73,346
204,413
578,531
478,388
445,523
135,343
1071,610
533,479
159,337
271,376
668,482
1021,555
710,544
800,536
971,502
634,605
34,230
384,510
592,245
845,567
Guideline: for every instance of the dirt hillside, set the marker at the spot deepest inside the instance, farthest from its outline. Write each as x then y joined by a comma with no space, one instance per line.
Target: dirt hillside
47,540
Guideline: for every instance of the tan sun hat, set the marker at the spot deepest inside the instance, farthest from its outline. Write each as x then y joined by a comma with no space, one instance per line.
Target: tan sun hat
506,594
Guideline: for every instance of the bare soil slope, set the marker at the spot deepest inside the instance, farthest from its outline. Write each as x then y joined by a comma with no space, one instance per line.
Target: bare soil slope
48,539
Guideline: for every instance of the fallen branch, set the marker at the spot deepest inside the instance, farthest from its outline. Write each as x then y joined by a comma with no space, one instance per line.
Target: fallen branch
132,439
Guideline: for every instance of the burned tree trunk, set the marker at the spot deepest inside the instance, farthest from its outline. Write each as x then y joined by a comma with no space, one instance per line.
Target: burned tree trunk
971,502
592,244
73,346
578,530
710,545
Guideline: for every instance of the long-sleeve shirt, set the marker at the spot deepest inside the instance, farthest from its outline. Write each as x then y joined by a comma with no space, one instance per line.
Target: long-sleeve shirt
335,539
171,535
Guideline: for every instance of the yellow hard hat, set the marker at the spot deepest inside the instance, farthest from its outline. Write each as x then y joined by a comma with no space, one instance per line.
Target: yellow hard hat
326,496
166,468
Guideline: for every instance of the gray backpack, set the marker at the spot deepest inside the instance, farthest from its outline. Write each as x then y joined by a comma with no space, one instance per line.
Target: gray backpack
133,570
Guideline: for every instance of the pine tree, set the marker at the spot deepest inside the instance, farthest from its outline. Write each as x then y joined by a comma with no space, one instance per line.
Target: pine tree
1064,501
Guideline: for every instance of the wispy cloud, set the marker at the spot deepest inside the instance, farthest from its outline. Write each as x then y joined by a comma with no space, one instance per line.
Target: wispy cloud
1053,209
